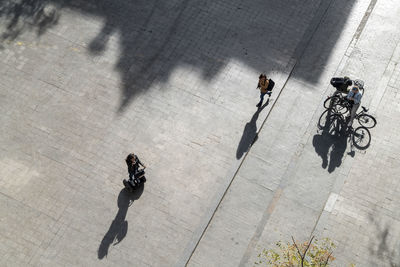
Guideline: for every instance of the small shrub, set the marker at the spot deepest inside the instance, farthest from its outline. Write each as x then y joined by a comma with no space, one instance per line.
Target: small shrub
317,253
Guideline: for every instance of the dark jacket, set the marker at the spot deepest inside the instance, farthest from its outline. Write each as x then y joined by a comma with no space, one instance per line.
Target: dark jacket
133,167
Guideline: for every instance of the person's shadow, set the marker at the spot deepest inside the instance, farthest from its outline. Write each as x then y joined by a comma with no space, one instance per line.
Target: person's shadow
249,136
119,226
326,141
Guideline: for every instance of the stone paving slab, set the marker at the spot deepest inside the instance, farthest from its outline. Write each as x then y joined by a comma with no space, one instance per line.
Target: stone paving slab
301,192
364,220
176,82
94,80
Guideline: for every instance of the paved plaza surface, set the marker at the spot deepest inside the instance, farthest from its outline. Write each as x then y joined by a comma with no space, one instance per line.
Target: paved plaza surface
84,83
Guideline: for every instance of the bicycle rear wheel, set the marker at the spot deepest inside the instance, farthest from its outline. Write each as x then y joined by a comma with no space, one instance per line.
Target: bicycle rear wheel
331,101
340,108
367,121
323,120
361,137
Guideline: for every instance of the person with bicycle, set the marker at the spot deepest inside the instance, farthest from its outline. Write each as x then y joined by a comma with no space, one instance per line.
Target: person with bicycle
354,98
134,163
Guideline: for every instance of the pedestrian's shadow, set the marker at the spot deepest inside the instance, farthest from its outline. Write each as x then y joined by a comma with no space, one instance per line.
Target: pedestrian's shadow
119,226
249,136
336,144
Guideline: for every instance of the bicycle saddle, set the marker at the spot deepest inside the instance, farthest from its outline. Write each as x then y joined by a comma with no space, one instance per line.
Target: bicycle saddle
364,108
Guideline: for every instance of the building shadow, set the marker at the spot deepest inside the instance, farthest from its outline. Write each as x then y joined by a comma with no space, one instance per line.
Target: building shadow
119,226
157,37
249,136
330,147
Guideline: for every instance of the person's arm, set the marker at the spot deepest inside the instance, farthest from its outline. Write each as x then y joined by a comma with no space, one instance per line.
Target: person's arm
350,95
140,163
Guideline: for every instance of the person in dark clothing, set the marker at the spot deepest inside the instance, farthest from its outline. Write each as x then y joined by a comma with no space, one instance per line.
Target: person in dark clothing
133,163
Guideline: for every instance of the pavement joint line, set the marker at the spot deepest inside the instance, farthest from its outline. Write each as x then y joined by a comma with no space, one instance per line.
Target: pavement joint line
312,28
33,208
307,134
361,26
295,157
262,186
188,222
340,68
384,82
302,48
238,168
204,99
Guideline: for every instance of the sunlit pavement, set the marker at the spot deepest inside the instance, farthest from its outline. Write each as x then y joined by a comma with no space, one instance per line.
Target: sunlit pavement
83,84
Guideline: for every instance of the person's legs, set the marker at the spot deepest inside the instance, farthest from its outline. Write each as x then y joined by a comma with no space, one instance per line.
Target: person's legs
353,114
261,99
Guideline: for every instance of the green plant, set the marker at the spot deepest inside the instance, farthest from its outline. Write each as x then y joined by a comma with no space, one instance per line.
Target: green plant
313,254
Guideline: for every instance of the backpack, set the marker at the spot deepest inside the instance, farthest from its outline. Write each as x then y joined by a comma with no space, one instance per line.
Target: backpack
271,85
341,84
336,82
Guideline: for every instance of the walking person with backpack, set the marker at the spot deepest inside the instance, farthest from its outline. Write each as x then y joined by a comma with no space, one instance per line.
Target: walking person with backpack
265,85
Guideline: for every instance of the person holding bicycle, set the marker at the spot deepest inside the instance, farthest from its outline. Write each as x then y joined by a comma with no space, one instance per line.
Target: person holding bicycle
354,98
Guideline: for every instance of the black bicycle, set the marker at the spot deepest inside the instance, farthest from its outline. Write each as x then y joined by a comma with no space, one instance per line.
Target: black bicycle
334,124
338,99
341,105
337,102
361,137
364,119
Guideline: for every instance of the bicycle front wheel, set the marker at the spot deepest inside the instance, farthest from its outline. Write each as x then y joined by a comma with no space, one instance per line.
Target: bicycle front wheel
361,137
367,121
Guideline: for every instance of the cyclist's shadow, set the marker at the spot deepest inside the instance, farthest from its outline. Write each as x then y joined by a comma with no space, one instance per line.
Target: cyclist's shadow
331,147
119,226
249,136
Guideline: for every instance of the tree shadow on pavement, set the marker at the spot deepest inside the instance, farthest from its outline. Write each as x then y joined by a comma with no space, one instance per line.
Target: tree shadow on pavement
28,15
157,37
119,226
330,147
249,136
384,251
